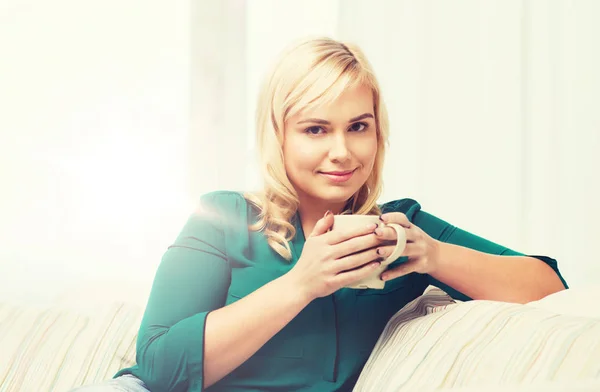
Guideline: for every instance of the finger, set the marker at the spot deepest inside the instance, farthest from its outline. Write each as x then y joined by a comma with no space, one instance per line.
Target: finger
354,245
401,270
385,251
322,225
341,234
410,250
349,277
386,233
396,217
355,260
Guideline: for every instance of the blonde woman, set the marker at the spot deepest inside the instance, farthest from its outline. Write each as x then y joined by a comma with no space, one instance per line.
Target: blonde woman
251,296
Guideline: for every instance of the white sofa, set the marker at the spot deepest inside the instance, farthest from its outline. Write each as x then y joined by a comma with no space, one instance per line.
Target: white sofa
433,343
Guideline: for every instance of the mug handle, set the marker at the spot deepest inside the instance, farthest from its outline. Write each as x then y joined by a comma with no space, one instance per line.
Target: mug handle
400,243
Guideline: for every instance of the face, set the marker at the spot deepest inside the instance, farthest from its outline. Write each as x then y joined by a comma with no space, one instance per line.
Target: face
330,151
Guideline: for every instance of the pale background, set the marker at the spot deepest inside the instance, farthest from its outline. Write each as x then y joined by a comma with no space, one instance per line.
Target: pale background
116,115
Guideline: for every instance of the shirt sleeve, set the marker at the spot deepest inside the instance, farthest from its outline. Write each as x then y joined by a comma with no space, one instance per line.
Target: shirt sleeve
192,279
445,232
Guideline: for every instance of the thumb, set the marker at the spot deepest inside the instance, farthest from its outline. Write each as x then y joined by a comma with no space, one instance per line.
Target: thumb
323,224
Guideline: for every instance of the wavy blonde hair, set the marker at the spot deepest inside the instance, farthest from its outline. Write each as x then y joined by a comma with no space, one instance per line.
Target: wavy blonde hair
309,73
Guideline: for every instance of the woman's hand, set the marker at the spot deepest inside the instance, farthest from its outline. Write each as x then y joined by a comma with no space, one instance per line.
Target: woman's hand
422,250
331,260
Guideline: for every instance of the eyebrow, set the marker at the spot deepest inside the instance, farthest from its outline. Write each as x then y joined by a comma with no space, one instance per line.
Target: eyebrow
325,122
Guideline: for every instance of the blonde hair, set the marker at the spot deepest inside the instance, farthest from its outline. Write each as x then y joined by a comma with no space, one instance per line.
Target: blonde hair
309,73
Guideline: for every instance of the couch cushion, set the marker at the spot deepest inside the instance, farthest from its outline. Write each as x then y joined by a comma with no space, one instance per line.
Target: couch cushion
434,343
57,348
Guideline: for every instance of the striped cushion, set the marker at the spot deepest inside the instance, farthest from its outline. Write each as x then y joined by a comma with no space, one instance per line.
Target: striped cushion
56,349
434,343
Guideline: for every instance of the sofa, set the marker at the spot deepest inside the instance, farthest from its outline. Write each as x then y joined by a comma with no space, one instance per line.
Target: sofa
433,343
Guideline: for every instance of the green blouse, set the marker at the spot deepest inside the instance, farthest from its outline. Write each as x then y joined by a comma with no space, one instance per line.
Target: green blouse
216,260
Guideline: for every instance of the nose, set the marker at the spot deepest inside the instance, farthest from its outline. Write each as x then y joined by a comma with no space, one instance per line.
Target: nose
339,151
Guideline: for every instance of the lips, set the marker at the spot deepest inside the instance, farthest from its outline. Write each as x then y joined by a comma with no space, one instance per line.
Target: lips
339,173
338,176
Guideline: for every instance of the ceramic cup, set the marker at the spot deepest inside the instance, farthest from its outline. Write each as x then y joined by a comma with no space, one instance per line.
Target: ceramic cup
373,281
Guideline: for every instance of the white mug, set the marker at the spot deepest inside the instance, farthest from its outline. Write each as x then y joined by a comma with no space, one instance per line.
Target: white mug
373,281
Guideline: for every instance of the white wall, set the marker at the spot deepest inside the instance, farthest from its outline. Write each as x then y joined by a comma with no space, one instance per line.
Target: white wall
94,115
562,133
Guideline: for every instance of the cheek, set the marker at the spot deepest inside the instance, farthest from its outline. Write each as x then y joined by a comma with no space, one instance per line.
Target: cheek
366,152
307,151
300,155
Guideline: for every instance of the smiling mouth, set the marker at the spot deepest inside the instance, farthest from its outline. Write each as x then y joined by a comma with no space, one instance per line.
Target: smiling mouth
338,176
339,173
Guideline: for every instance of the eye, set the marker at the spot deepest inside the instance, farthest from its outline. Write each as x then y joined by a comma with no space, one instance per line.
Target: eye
359,127
314,130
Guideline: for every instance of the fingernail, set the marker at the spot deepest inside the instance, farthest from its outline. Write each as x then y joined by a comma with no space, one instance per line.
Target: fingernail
381,218
377,231
380,251
383,277
327,213
371,226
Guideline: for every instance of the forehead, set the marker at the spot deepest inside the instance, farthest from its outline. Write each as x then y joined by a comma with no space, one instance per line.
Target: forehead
352,102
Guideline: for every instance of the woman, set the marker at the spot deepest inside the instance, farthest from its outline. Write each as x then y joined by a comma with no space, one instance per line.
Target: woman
251,295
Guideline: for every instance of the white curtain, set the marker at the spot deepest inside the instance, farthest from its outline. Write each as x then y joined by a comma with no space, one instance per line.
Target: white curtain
116,115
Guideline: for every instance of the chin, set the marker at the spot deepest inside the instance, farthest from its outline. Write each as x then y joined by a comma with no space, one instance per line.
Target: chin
339,195
325,192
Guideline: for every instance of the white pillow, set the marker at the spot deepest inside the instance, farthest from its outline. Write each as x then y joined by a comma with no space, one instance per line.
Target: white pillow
433,343
56,348
579,301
